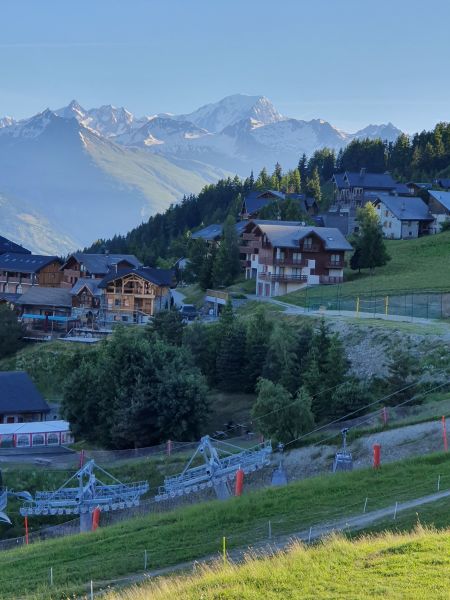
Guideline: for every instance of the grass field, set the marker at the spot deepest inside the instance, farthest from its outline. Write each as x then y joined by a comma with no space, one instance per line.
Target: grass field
196,531
415,265
415,565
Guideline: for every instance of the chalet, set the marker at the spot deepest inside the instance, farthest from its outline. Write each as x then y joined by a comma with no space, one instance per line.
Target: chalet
8,246
94,266
20,271
417,188
291,256
403,218
46,309
439,205
257,200
20,400
351,189
134,295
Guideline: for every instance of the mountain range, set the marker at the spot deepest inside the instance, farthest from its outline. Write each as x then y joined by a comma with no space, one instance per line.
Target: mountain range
71,175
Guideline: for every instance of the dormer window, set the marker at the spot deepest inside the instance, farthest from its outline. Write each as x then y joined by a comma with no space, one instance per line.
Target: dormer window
307,243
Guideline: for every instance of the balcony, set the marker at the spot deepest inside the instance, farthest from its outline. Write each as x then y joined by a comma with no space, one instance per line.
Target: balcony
288,260
283,278
330,280
336,265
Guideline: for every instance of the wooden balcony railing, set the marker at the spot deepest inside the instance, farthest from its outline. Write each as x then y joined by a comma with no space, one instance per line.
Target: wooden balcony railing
292,262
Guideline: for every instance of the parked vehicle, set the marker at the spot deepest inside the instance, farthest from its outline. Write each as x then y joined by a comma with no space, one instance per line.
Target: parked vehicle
188,312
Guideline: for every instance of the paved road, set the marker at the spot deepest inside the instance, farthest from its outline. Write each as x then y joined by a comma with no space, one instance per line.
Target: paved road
267,547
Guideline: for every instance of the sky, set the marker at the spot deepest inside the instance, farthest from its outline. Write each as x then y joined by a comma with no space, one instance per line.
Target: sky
350,62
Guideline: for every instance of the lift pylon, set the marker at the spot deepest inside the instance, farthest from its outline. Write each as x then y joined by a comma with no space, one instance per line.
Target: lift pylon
221,462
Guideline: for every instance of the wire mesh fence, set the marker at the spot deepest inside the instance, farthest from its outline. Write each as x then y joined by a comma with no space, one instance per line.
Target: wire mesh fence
423,304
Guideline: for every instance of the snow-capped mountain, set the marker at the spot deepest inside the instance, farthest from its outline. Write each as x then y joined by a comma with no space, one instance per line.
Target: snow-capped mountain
84,173
217,116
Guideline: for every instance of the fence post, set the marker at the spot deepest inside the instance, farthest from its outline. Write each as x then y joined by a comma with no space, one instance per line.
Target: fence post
169,447
376,456
270,530
384,415
439,483
365,505
145,560
386,306
92,590
224,549
444,434
51,576
309,536
26,531
395,510
357,306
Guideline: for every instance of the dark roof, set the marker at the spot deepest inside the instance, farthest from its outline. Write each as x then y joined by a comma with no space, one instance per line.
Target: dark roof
441,197
43,296
444,183
18,394
100,264
214,232
25,263
402,189
86,282
8,246
421,185
406,209
255,201
289,236
365,180
7,297
157,276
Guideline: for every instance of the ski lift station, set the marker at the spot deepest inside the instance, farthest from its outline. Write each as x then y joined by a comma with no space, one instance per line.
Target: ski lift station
221,463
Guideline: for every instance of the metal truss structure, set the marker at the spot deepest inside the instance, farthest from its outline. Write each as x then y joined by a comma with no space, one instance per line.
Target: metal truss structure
221,462
343,461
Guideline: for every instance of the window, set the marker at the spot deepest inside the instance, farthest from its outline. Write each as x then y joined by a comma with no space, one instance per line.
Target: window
117,302
386,213
335,260
38,439
52,439
23,440
307,243
297,257
19,289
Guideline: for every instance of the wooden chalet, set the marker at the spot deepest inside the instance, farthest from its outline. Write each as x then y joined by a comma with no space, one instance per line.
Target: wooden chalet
20,271
134,295
284,257
94,266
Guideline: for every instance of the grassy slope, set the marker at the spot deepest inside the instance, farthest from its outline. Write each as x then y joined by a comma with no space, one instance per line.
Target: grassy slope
403,566
197,531
415,265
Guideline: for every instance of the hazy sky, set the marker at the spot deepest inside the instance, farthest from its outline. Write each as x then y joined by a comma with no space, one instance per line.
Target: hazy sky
351,62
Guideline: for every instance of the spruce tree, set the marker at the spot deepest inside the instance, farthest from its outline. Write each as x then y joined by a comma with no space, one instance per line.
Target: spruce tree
313,186
226,263
257,344
370,243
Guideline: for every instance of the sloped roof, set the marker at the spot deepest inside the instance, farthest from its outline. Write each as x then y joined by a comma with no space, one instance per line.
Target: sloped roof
9,246
441,197
25,263
43,296
406,209
289,236
18,394
157,276
100,264
34,427
402,188
212,233
421,185
255,200
7,297
371,180
89,283
339,180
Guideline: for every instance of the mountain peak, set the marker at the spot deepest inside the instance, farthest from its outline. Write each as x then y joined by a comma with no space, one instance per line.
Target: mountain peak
217,116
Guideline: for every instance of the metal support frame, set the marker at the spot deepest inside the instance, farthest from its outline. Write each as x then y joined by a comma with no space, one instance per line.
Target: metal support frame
90,493
221,462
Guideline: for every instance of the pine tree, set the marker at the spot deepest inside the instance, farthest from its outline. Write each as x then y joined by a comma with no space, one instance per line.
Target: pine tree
313,186
303,168
257,344
226,264
370,243
230,365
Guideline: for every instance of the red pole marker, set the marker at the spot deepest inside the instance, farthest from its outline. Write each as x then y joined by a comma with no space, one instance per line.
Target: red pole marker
376,456
239,482
95,518
444,434
26,531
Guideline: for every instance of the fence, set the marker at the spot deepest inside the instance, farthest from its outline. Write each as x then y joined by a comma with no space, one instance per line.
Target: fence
432,304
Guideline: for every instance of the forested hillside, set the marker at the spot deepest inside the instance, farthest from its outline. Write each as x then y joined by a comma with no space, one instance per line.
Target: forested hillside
423,157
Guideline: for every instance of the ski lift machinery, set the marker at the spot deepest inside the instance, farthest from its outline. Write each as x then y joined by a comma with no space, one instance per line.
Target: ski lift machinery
4,495
89,493
221,463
